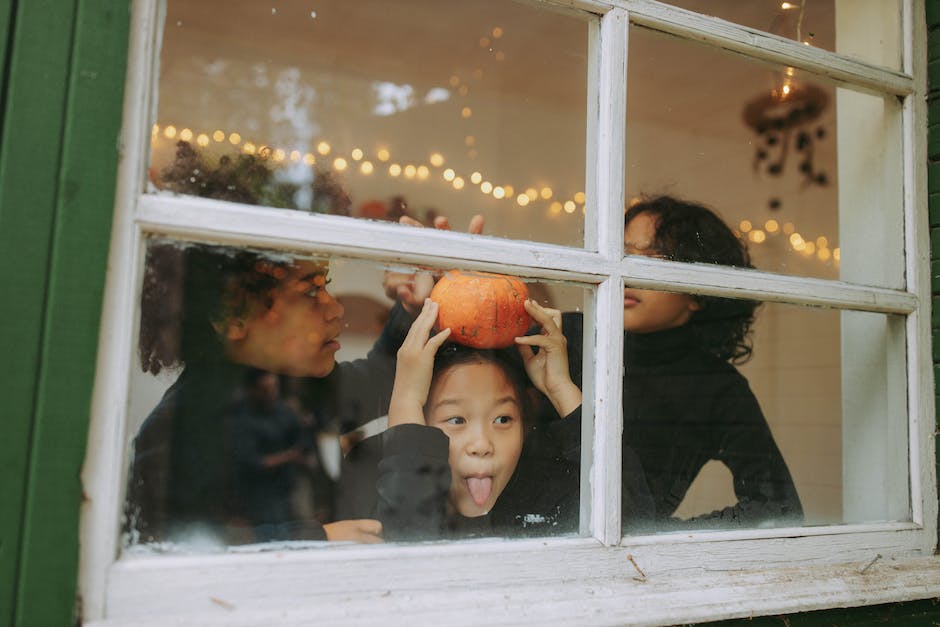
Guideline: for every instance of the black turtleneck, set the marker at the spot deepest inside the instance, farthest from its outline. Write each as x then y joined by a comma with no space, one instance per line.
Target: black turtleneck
683,407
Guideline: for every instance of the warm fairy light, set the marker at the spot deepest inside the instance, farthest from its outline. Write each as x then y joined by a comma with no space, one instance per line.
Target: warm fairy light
339,164
497,32
772,226
279,155
324,148
569,206
786,89
366,167
383,154
423,172
186,134
475,178
546,193
522,200
436,159
466,112
796,240
787,5
469,140
532,194
410,171
823,254
486,187
499,192
309,159
234,139
449,174
249,148
579,198
484,42
809,248
295,155
788,228
356,154
757,236
394,169
202,139
218,136
155,129
169,132
836,254
822,242
509,189
555,208
745,226
458,183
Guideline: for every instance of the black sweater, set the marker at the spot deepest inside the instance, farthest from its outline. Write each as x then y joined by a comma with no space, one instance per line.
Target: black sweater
683,407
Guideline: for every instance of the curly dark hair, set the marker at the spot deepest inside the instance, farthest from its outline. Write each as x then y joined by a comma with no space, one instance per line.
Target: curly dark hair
508,360
189,287
690,232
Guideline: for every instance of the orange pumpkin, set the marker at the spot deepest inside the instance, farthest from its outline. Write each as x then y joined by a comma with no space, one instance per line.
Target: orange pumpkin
482,310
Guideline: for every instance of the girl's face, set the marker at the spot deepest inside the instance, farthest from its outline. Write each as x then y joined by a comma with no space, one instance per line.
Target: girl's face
296,335
645,311
476,406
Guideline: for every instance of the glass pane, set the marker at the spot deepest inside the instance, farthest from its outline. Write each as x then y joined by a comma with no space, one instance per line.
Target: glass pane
869,30
742,414
373,110
809,174
267,406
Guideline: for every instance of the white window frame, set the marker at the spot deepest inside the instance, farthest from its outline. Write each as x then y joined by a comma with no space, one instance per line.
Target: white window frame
601,578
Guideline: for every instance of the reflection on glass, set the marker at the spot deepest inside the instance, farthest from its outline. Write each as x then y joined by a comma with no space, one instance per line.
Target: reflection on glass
374,110
268,407
868,30
805,172
739,414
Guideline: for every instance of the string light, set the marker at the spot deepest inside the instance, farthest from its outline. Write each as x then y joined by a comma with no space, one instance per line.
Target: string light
356,154
383,154
499,192
475,178
436,159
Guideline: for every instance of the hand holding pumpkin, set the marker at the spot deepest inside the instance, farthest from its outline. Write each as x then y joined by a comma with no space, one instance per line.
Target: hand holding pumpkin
548,369
414,368
482,310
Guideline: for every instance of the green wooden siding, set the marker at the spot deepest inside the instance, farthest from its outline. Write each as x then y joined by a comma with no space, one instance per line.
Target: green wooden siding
63,80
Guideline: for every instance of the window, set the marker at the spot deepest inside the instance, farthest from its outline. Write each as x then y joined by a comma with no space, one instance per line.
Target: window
295,133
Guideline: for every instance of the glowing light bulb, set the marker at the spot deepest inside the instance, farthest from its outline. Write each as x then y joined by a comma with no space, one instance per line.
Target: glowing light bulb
486,187
796,240
499,192
339,164
383,154
324,148
745,226
757,236
569,206
466,112
423,172
531,194
218,136
394,169
522,200
309,159
186,134
410,171
497,32
808,248
823,254
436,159
772,226
155,129
475,178
295,155
836,254
356,154
366,167
234,139
579,198
279,155
509,189
458,183
786,90
822,242
449,174
788,228
169,132
249,148
546,193
202,139
554,208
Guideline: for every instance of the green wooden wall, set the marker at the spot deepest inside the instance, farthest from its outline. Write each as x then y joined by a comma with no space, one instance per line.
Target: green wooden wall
62,74
63,64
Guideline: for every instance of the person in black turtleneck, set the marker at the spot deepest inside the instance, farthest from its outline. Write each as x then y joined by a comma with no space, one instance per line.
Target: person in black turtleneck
684,403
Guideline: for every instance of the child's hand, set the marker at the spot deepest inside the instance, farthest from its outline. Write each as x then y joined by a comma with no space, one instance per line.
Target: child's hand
548,369
414,368
365,530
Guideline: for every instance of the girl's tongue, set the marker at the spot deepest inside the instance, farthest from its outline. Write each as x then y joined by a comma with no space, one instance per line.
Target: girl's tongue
480,488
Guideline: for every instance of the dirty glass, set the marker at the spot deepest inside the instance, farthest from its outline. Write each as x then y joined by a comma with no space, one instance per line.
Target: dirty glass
869,30
262,407
741,414
376,110
808,173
